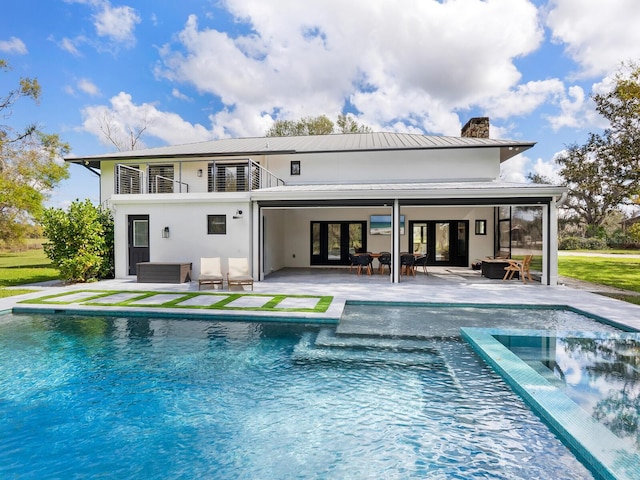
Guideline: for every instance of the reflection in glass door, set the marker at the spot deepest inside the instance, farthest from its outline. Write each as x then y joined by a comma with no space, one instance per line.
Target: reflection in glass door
334,240
419,237
442,242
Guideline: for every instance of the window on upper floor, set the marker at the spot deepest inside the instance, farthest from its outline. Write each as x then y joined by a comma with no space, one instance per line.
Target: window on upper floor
161,179
230,177
129,179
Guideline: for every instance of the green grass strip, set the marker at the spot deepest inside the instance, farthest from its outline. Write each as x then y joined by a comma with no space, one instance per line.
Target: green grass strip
226,299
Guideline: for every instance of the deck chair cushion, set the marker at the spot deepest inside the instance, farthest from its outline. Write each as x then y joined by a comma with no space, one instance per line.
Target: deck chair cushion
210,272
238,273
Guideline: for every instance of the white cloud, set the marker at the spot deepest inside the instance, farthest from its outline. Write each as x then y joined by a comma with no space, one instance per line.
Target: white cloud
180,96
523,99
124,115
87,86
518,168
71,45
548,169
597,35
13,46
415,67
515,169
116,23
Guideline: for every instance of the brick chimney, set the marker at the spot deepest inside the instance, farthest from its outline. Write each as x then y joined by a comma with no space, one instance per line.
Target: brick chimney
477,127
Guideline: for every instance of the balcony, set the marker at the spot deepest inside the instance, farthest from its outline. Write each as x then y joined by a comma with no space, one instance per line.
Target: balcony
222,176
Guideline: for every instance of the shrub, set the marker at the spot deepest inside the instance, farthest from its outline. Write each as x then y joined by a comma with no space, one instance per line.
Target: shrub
578,243
80,241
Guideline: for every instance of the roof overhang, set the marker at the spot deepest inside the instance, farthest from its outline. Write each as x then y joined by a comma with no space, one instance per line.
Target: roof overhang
311,144
470,193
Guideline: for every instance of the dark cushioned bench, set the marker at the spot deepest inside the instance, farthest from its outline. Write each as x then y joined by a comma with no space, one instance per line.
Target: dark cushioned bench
158,272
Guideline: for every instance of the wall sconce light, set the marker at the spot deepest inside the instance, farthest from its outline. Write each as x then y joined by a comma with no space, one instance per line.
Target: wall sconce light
165,232
199,172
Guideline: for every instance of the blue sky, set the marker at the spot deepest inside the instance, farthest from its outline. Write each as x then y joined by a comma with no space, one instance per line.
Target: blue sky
202,70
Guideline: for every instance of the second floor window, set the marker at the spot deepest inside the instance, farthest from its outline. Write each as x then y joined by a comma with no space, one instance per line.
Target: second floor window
228,177
160,178
129,179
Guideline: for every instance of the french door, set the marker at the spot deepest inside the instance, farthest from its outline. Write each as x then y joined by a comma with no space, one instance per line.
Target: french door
331,242
445,242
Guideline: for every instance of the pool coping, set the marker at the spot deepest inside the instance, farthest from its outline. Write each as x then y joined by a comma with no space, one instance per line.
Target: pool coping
57,304
596,446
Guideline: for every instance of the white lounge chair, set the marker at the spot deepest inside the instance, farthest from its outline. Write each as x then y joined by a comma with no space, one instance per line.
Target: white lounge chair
210,272
238,273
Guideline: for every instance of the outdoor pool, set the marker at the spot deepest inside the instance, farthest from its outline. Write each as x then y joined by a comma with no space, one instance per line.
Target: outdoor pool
161,398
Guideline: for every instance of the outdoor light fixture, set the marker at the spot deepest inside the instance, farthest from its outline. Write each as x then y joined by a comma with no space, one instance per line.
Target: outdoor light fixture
165,232
238,214
199,172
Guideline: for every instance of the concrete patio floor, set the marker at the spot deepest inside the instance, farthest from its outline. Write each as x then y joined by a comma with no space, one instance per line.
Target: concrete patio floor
449,285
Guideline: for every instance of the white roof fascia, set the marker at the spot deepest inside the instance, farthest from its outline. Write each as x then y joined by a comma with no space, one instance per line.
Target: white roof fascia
408,191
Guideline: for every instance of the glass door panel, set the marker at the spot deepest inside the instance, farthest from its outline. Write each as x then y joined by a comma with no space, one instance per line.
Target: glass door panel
334,232
315,239
356,240
442,241
419,237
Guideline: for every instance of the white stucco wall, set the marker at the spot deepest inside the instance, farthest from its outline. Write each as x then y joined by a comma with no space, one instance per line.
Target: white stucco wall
187,222
348,167
389,167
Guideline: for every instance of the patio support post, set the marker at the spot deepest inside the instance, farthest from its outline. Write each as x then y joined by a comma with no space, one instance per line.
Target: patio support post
550,256
256,233
395,271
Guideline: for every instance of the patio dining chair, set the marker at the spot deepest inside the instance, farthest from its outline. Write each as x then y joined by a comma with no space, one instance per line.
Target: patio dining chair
364,260
210,273
384,260
238,273
407,264
353,261
422,262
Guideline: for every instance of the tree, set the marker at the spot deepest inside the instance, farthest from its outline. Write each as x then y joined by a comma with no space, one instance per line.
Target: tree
124,137
30,166
320,125
347,124
604,173
80,241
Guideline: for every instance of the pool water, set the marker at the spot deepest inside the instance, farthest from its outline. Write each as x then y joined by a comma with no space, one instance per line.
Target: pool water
441,321
159,398
600,374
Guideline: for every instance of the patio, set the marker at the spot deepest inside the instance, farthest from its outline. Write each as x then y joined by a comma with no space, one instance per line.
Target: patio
448,285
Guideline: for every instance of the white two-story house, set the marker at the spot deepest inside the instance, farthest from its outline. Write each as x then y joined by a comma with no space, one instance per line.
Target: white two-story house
307,202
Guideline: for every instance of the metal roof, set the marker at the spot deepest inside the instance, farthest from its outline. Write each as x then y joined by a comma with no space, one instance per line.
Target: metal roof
351,142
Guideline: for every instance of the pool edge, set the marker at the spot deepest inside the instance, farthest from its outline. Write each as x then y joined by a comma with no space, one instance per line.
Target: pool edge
577,429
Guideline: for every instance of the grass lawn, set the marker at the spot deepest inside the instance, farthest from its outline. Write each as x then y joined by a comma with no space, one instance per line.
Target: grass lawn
615,272
21,268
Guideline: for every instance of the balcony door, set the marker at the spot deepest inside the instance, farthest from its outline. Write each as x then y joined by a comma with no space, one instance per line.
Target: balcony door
331,242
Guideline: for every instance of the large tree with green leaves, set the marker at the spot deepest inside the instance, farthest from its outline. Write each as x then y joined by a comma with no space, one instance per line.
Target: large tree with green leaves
320,125
30,165
604,172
